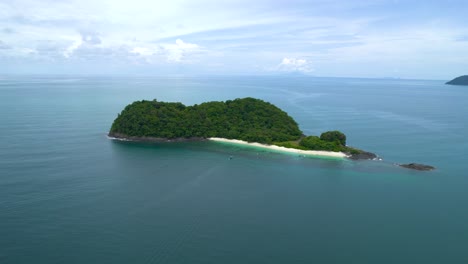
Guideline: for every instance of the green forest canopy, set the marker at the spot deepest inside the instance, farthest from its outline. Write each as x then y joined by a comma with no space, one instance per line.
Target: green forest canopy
248,119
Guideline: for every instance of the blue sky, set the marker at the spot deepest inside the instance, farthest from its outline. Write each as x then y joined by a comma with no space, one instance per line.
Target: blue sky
355,38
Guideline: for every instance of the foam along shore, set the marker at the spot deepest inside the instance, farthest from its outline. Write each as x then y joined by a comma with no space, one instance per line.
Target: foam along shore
283,149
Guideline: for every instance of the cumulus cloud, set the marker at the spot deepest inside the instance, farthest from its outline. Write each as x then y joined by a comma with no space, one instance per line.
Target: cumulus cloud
71,49
86,41
89,46
295,65
148,54
180,51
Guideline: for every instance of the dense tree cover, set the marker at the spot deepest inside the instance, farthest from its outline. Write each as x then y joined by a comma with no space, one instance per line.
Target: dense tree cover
314,142
247,119
334,136
329,142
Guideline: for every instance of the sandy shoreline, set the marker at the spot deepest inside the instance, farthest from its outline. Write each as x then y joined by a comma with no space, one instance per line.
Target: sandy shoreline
283,149
320,153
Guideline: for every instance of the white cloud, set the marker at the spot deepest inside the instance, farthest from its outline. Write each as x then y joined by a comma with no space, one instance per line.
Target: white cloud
177,52
295,65
148,54
180,51
342,38
143,51
71,49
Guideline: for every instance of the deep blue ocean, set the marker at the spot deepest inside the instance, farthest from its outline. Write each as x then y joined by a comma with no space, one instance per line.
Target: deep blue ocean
68,194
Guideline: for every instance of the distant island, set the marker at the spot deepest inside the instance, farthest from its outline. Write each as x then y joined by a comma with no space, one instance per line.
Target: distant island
462,80
241,120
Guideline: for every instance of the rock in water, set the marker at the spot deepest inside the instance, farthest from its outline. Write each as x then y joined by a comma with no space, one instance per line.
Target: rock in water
416,166
364,155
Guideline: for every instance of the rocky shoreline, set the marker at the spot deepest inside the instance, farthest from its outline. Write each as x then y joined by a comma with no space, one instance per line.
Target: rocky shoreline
123,137
417,166
364,155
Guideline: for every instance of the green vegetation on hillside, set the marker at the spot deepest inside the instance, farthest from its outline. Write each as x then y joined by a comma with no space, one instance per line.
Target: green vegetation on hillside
331,141
247,119
335,136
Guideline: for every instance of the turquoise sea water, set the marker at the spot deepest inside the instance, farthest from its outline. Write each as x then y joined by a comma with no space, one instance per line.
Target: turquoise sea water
68,194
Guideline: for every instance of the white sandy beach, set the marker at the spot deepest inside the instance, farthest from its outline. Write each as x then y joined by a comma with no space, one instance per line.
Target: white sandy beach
283,149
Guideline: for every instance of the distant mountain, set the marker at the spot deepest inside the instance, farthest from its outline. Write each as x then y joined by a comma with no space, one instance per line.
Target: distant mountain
462,80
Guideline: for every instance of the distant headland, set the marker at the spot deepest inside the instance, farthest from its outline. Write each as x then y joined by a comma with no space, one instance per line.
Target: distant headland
243,121
462,80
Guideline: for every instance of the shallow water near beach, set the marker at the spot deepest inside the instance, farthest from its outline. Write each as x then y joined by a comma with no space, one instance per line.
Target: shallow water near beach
68,194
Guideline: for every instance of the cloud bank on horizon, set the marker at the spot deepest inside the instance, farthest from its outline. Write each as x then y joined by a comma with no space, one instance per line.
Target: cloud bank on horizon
362,38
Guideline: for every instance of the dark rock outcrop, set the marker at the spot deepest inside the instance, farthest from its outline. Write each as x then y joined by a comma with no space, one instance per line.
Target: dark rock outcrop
462,80
417,166
363,155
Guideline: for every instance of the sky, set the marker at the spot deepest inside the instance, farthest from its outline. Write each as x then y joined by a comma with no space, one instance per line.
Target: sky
353,38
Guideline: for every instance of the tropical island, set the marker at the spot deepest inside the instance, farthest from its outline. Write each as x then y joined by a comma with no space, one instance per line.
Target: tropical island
461,80
245,121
